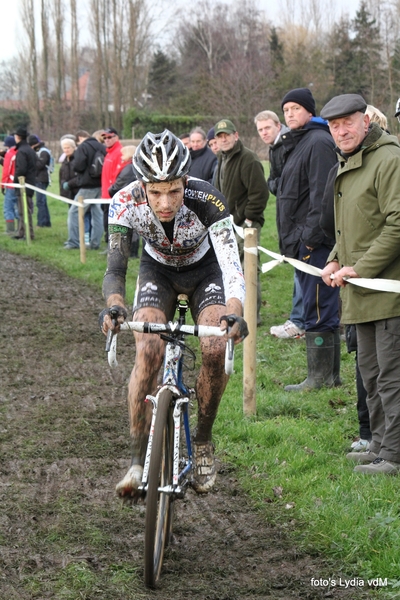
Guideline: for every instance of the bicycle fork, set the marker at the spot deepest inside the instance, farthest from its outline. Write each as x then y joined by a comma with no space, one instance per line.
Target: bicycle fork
173,488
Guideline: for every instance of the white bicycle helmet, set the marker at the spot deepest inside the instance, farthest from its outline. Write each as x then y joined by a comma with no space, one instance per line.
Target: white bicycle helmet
161,157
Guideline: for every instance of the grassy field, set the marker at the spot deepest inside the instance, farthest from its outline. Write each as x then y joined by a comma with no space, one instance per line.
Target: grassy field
291,455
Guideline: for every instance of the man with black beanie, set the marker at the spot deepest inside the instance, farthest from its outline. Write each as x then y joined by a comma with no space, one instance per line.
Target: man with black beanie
25,166
310,155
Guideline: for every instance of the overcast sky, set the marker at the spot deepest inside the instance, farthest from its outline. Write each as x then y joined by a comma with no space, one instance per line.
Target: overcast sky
11,30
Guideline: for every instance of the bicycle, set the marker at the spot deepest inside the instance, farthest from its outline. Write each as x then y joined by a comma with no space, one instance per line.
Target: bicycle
169,461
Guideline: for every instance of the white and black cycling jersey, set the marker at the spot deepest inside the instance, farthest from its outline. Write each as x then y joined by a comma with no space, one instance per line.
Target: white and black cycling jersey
202,222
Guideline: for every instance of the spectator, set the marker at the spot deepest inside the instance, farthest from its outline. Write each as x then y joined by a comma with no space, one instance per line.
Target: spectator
204,161
25,166
69,136
376,116
270,131
367,225
212,141
11,214
42,179
240,178
99,135
111,168
126,176
328,225
67,175
69,181
185,139
89,188
310,156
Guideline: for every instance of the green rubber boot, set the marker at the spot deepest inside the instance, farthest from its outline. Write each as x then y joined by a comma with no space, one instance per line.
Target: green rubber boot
320,362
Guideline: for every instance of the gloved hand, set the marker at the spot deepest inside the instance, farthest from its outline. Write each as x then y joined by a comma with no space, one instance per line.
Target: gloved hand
117,314
65,185
238,326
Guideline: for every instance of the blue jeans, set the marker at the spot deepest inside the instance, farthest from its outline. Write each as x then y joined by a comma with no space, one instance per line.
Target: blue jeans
320,301
96,218
43,215
10,204
296,316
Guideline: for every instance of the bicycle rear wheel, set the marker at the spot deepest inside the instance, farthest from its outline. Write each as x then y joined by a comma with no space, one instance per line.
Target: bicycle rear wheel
159,505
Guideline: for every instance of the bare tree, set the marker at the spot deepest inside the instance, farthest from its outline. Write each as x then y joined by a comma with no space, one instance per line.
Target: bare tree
74,61
138,55
119,31
28,58
58,10
44,21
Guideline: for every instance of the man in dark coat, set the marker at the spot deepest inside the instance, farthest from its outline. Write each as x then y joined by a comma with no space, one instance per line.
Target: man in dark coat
270,130
89,188
203,158
240,177
310,155
43,161
25,166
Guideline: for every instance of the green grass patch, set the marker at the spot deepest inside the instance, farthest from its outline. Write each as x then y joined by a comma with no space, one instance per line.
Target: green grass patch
290,457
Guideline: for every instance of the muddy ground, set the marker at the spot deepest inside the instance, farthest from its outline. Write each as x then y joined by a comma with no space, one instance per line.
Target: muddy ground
64,445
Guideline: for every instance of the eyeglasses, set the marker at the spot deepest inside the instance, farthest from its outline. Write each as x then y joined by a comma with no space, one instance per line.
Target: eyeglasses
109,137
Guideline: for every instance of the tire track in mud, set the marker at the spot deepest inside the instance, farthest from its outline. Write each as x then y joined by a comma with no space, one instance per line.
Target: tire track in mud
64,445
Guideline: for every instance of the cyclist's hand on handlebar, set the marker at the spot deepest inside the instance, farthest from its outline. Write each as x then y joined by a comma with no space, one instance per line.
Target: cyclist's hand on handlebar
111,318
235,326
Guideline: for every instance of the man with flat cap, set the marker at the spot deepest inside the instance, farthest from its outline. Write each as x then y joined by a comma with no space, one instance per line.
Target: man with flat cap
366,186
310,155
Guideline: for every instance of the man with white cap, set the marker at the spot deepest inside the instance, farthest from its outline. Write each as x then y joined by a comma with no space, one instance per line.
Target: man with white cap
367,224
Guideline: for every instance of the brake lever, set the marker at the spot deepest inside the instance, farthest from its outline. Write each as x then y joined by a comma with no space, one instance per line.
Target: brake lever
110,332
110,335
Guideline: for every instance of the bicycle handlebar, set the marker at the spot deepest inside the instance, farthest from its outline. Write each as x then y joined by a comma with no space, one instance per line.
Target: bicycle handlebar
196,330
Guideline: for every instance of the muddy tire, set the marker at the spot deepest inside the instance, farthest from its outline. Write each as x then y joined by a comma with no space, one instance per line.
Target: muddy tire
158,523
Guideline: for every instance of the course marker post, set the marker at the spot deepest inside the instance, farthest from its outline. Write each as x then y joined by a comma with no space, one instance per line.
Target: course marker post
25,209
81,223
250,315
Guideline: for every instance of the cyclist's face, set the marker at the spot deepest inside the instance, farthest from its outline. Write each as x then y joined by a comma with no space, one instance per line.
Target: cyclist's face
165,199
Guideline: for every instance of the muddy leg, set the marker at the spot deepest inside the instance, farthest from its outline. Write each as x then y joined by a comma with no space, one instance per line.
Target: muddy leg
143,381
212,379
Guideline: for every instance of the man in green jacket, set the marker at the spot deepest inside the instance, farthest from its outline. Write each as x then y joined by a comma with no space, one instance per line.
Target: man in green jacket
367,225
240,177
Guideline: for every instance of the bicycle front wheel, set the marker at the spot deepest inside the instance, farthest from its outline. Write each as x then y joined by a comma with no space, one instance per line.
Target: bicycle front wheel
159,504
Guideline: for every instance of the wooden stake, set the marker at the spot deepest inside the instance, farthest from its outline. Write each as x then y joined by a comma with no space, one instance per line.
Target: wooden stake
25,210
81,223
250,315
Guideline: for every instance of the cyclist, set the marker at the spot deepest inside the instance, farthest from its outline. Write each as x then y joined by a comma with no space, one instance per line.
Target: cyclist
190,248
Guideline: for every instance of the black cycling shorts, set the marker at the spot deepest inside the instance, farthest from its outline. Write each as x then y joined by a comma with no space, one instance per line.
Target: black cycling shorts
159,285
